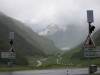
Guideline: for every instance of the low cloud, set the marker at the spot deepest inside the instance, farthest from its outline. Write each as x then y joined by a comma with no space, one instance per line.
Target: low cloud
40,13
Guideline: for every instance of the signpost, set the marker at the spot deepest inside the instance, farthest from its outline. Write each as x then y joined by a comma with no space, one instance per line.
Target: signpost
90,51
12,52
89,41
90,17
4,54
9,55
11,35
89,46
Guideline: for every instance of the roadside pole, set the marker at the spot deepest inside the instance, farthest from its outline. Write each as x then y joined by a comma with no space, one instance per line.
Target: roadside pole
11,51
89,58
90,19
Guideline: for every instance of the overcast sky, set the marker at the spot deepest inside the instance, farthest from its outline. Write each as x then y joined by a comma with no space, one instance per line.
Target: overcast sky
39,13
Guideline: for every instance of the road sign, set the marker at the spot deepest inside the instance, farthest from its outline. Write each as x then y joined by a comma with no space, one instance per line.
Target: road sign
4,54
9,55
90,51
90,17
11,35
12,49
89,41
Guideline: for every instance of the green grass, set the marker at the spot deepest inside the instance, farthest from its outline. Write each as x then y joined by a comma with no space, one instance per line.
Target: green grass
64,62
50,60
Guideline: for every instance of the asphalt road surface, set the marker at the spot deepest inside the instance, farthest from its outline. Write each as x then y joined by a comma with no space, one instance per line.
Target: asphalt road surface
71,71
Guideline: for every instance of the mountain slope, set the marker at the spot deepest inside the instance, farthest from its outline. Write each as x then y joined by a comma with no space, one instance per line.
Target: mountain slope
64,36
22,47
76,55
24,31
26,41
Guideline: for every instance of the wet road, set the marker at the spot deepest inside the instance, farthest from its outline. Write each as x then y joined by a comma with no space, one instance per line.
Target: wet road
74,71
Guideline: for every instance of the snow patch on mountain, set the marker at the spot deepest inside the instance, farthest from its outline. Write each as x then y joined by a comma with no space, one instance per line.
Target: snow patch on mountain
51,29
65,48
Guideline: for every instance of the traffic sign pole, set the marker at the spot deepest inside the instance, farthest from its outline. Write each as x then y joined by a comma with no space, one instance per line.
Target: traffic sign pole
89,27
11,54
87,50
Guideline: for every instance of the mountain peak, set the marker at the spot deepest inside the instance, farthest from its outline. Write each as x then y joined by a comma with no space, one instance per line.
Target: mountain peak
51,29
1,13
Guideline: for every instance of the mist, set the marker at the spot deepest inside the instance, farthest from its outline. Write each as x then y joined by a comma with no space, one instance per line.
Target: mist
40,13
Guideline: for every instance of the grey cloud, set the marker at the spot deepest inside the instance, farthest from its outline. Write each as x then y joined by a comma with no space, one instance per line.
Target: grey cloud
40,13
